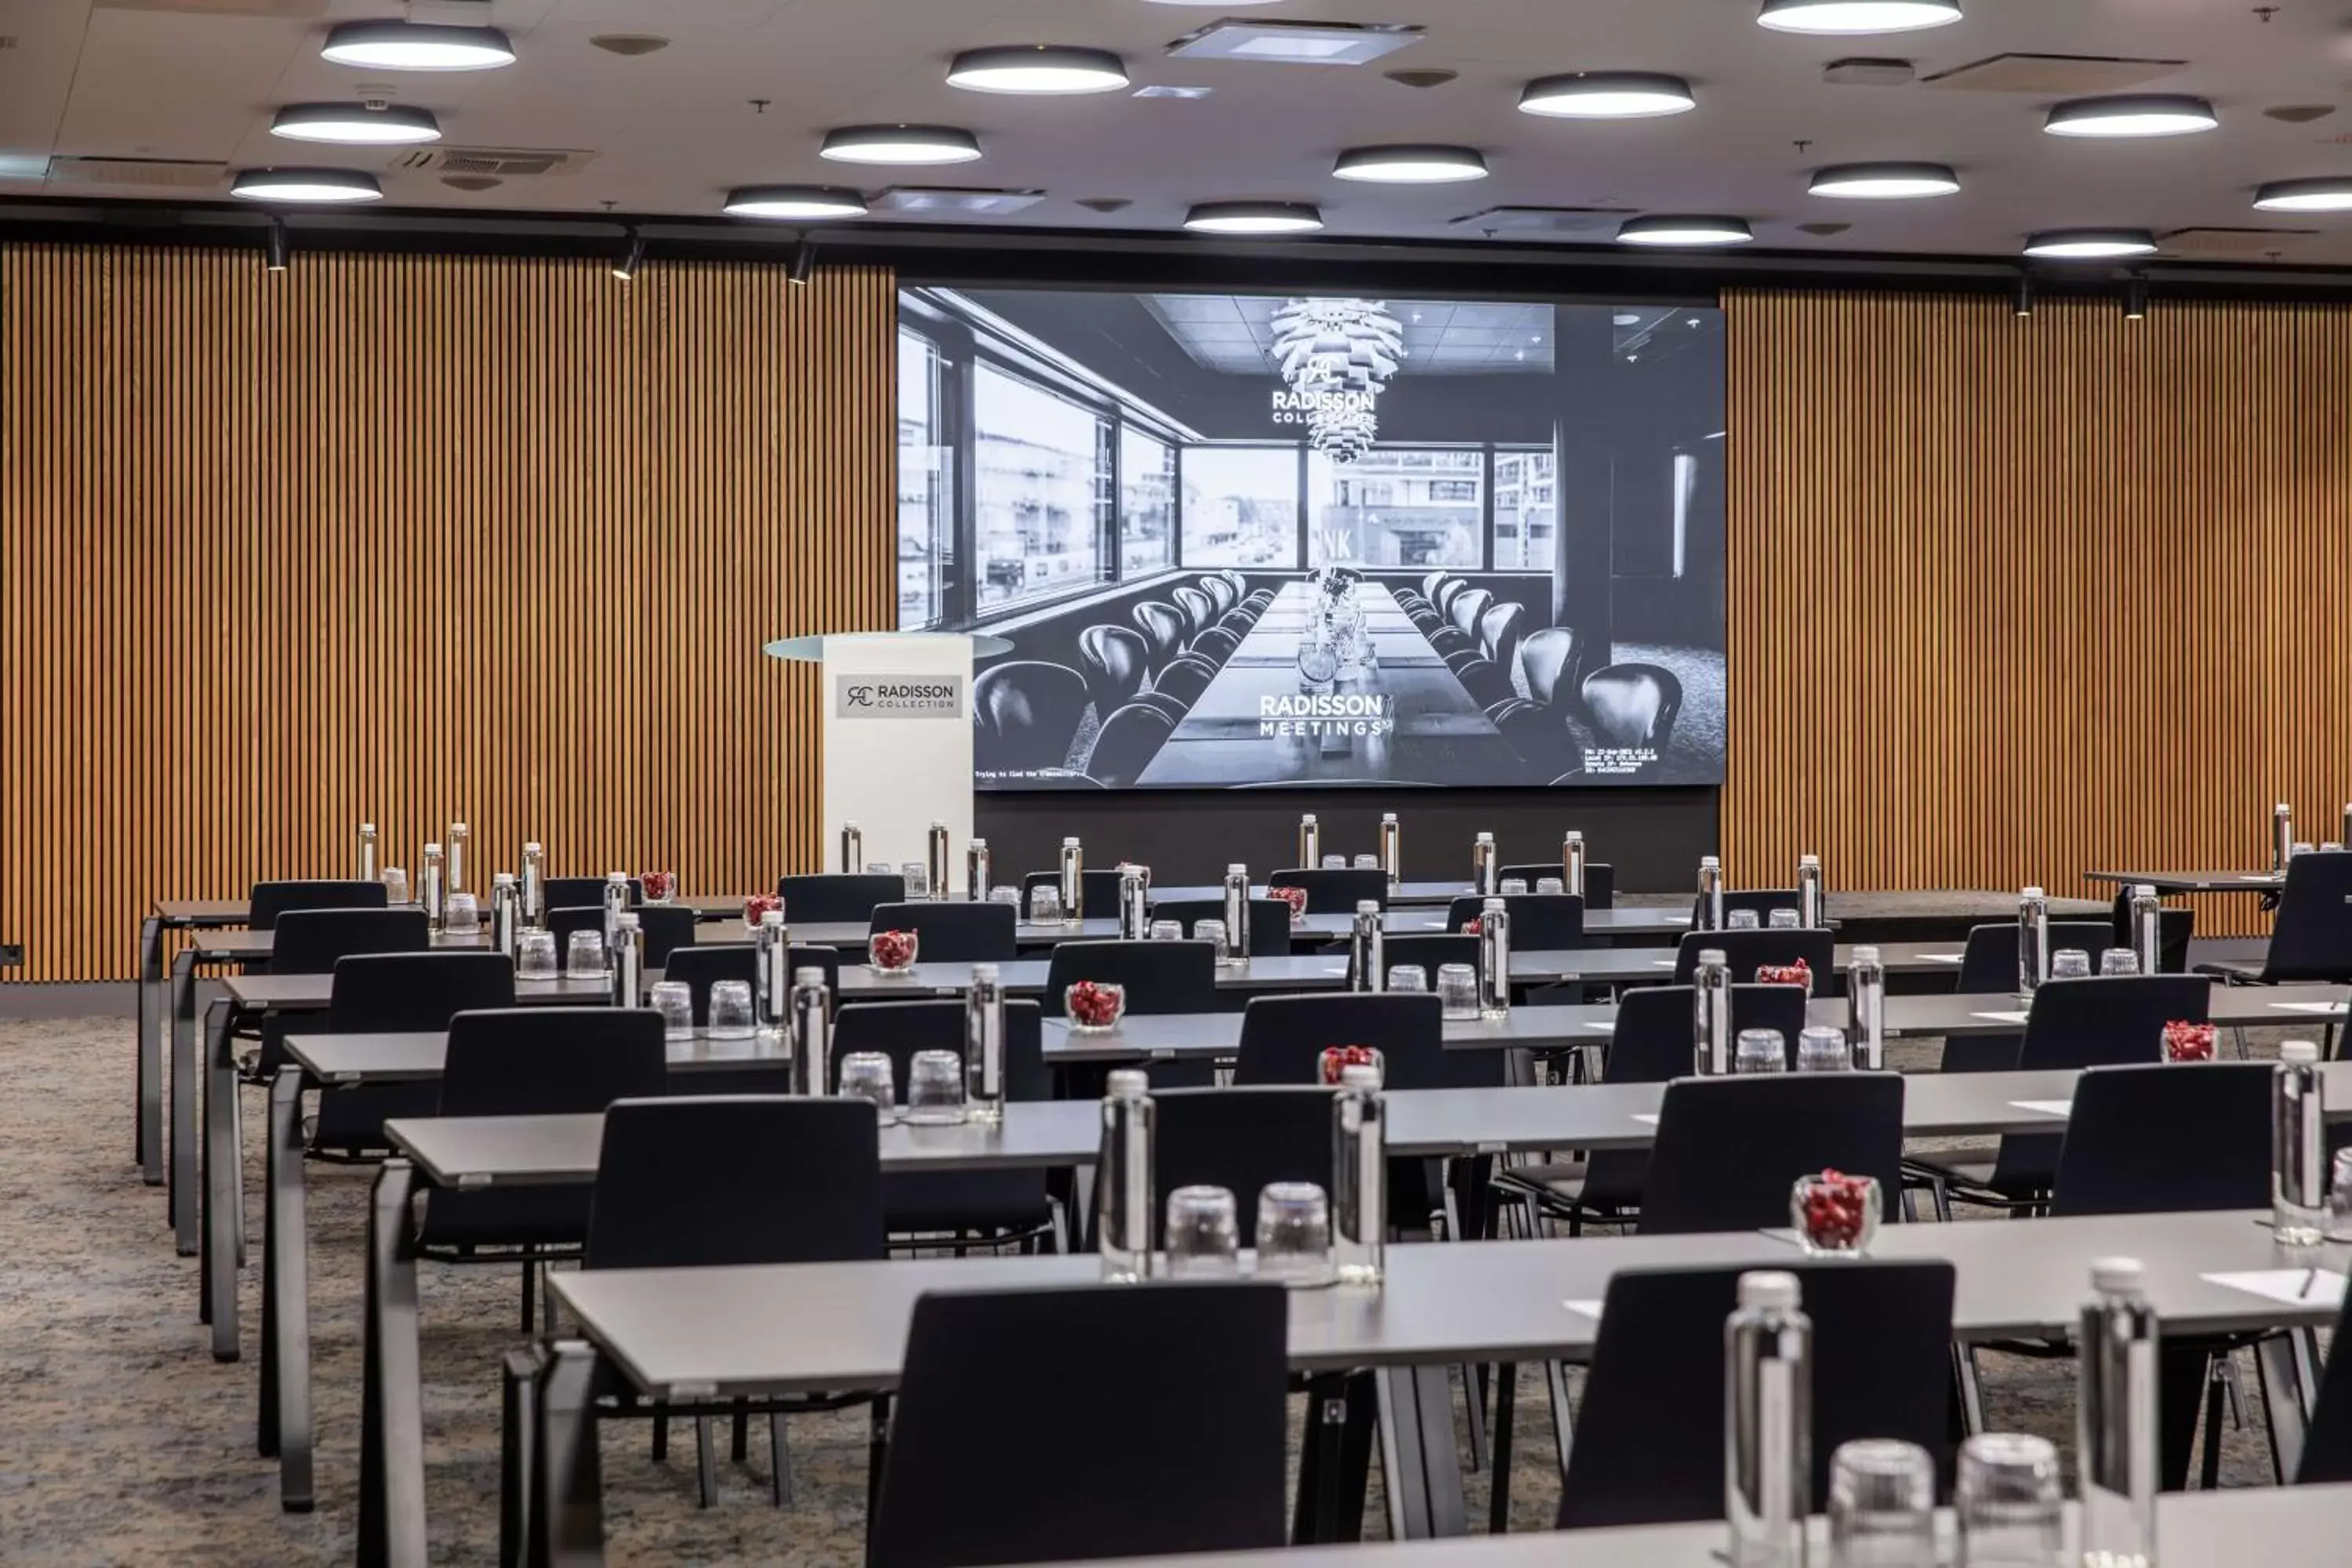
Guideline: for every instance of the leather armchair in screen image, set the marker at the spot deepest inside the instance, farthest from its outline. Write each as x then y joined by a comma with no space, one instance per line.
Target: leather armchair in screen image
1164,627
1199,610
1633,705
1024,714
1223,595
1178,687
1216,645
1116,661
1129,739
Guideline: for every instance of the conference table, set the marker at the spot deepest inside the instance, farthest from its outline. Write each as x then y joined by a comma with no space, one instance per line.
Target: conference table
1233,733
2222,881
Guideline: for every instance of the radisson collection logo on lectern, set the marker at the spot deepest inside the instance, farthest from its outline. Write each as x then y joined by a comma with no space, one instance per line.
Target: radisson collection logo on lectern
898,697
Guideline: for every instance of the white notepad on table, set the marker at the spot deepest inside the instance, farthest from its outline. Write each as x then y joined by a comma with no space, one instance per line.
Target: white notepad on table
2000,1017
2296,1287
2046,1107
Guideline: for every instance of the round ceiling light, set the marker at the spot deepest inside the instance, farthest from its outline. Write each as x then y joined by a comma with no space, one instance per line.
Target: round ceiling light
2305,196
417,47
801,201
1857,16
305,185
356,124
1884,182
1683,228
1037,68
1253,217
1411,165
899,145
2089,244
2132,114
1607,95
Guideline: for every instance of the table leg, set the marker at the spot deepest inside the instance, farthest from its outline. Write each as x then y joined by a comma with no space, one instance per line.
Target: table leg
224,1185
286,1298
391,1416
1423,1474
2278,1362
150,1145
184,1196
518,1406
567,1504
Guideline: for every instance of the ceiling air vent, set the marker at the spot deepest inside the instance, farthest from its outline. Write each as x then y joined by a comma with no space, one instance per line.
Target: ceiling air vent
962,201
2060,76
1870,73
1295,43
1540,222
147,174
303,10
492,163
2238,244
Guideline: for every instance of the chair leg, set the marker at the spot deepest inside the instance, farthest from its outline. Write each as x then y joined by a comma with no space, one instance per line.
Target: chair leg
878,1447
706,1463
530,1295
2216,1405
1943,1199
661,1438
1498,1491
547,1320
1474,1407
2236,1387
779,1462
1563,1421
1971,1392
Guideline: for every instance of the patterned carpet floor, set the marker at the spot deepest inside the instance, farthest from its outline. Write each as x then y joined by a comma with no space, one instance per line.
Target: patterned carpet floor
121,1441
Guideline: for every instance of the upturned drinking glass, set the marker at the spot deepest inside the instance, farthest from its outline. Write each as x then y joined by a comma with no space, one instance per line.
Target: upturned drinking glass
1294,1234
1006,893
583,953
2119,961
535,955
1741,919
396,885
1214,932
935,1088
2070,963
1882,1505
460,915
674,1000
1822,1050
1203,1233
1512,887
1760,1050
731,1010
1550,887
868,1076
2006,1499
918,878
1368,862
1046,905
1167,930
1408,977
1780,920
878,867
1458,990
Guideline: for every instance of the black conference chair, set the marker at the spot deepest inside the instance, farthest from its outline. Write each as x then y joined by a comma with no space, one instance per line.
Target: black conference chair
1746,951
1269,922
1183,682
1097,892
1283,1037
1989,968
2174,927
1217,645
953,932
1162,625
1882,1367
1548,659
1466,609
1600,880
1024,714
838,896
1127,741
1729,1149
1159,976
1200,611
2311,936
399,993
1498,636
701,967
1634,704
2098,1021
1333,889
535,1061
1001,1388
1428,953
2328,1438
730,1181
309,942
584,892
1540,923
1116,661
268,900
667,928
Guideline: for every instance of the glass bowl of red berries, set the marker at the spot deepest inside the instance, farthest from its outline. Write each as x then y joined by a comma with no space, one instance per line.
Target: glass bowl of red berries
1337,1059
1835,1215
891,952
1295,897
1094,1007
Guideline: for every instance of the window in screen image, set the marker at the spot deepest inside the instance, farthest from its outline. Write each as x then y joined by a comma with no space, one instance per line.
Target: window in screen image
926,476
1396,506
1040,481
1147,503
1241,506
1526,509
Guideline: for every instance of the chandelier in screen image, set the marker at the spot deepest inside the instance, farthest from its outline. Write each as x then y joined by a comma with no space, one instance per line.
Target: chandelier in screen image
1337,355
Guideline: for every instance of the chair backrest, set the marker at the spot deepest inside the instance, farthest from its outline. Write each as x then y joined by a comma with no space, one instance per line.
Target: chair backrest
1427,952
1282,1037
2174,927
1729,1149
1548,659
838,896
1757,901
2162,1136
1498,634
1116,659
1746,951
1269,920
1199,610
2328,1438
953,932
1185,678
716,1180
1429,584
1159,1412
1540,923
1240,1139
1127,741
269,900
1882,1367
1448,590
1097,891
308,942
562,920
2107,1020
1988,962
1466,609
1634,704
583,893
1162,625
1217,643
398,993
551,1061
1221,593
1159,976
667,928
701,967
1653,1041
1334,890
1600,880
2310,938
1025,712
899,1029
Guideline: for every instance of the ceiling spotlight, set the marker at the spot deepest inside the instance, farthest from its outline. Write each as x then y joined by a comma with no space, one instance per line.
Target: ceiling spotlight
417,47
1252,218
1884,182
305,185
800,203
273,247
2023,303
356,124
804,262
632,254
2090,244
899,145
2132,114
2135,297
1038,68
1683,228
2305,196
1607,95
1857,16
1411,165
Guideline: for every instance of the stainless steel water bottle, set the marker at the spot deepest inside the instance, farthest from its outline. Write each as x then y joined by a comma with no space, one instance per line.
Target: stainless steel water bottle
811,1032
2032,941
1571,864
1865,1029
1365,964
1360,1176
1767,1423
506,914
1711,1041
1486,868
937,864
1813,911
1310,841
2148,929
1134,905
1123,1174
458,833
625,961
534,886
430,891
367,852
983,1047
975,871
1495,959
2282,836
772,966
1237,913
1074,883
853,850
2298,1148
2347,824
1710,893
616,901
1392,846
2116,1438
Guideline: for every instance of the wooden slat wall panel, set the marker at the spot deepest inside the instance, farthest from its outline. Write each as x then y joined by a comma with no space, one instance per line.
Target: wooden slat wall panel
2012,598
416,539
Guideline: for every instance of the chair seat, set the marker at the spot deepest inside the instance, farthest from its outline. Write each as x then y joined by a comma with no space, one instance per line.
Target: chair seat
982,1201
1565,1183
537,1217
1967,1171
2239,971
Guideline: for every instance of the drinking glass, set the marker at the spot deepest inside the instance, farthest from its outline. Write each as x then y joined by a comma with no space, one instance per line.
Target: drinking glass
1214,932
1167,930
1368,862
585,953
878,867
731,1010
1822,1050
2007,1499
918,878
1335,862
1204,1234
1741,919
1294,1234
1513,888
396,885
1046,906
674,1000
535,955
2119,961
2069,963
1780,920
1550,887
1458,990
1882,1504
1760,1050
935,1088
1006,893
1408,977
2339,1196
461,916
868,1076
